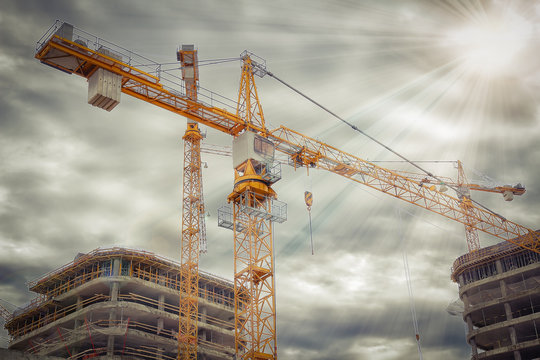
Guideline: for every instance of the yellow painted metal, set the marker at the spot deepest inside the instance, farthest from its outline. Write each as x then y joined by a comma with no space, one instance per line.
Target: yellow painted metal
471,233
249,108
190,70
254,291
302,150
399,186
308,197
255,313
192,206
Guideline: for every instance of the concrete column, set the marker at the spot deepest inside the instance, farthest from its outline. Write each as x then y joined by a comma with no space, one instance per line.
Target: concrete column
498,266
508,311
77,324
461,281
110,345
161,306
115,271
513,337
203,311
159,353
466,303
110,338
161,278
75,349
474,348
78,321
161,302
469,323
114,291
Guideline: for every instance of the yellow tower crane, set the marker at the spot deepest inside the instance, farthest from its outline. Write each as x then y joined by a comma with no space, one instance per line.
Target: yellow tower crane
193,234
463,191
111,71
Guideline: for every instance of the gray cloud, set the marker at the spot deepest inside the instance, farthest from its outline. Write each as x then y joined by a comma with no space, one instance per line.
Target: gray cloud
73,178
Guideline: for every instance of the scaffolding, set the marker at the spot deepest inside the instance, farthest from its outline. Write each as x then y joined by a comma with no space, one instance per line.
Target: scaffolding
41,326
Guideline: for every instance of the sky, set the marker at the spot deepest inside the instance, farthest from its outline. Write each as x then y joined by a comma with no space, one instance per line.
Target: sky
435,80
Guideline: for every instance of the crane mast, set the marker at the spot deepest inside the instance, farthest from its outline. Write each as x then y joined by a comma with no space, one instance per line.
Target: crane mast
464,196
253,203
192,220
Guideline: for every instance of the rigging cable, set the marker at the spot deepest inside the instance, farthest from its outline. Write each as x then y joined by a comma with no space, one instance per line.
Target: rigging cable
354,127
409,286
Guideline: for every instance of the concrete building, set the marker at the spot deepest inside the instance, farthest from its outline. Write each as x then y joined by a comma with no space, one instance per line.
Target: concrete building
500,288
122,304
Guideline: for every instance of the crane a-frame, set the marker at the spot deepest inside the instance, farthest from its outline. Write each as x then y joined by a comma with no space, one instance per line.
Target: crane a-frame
76,52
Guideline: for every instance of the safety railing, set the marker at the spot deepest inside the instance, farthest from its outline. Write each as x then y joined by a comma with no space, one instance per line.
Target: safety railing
173,309
16,331
43,320
65,337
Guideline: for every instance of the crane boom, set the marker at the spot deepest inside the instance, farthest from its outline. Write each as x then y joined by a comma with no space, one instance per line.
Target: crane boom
302,150
305,151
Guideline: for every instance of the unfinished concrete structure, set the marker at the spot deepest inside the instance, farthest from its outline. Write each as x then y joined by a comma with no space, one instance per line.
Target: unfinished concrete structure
500,289
120,303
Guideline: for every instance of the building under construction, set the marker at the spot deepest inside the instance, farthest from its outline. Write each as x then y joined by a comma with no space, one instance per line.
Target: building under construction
500,289
120,302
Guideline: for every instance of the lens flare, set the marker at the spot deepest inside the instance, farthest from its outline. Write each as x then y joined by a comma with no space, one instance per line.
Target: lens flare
491,45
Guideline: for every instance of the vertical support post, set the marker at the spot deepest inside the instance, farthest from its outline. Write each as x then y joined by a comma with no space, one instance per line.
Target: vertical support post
252,200
255,316
464,195
189,282
192,206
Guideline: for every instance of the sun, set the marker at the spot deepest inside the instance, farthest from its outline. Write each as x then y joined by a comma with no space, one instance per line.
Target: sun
490,45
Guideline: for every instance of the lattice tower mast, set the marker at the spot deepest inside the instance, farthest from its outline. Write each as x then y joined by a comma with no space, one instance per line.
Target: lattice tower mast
252,199
464,196
192,215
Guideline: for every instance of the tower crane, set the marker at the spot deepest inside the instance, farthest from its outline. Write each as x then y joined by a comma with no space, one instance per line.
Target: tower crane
463,189
193,233
110,70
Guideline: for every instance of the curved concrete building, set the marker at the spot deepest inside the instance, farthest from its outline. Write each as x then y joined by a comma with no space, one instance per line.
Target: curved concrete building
120,303
500,288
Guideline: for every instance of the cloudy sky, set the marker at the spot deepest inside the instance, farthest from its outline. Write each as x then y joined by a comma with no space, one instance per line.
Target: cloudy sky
435,80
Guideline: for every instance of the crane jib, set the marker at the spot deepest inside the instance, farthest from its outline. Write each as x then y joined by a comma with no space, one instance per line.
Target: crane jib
287,141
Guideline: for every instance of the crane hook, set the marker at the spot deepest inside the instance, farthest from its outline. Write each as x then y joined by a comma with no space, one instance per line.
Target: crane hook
308,197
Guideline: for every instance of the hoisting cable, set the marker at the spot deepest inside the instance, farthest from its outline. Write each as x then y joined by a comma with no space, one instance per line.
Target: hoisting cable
354,127
409,286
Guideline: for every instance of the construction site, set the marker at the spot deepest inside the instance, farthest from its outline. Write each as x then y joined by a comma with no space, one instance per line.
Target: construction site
122,303
500,289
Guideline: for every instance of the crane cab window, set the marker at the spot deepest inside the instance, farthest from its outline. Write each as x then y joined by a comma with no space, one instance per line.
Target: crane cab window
264,147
